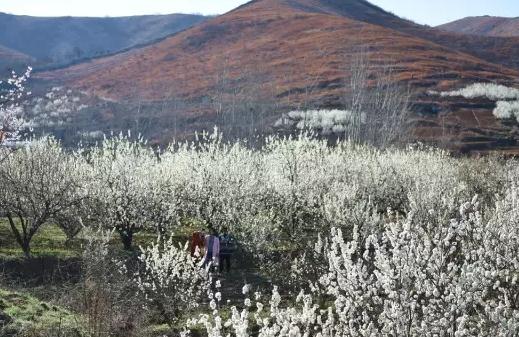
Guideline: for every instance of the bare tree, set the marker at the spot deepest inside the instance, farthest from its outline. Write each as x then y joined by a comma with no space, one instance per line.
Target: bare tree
380,106
242,100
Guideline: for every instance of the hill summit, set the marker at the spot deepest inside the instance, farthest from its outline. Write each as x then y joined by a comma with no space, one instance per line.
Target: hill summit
484,25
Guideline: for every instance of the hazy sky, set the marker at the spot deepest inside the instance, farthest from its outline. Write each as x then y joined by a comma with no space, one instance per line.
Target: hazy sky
432,12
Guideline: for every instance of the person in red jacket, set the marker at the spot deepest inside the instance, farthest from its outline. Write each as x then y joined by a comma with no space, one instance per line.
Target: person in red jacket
197,244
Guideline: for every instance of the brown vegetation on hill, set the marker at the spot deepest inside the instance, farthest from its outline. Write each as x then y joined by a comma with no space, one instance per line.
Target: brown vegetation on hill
299,51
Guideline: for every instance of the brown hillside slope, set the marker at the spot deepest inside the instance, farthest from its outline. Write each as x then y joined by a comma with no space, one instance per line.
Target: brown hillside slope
294,44
501,51
484,25
286,39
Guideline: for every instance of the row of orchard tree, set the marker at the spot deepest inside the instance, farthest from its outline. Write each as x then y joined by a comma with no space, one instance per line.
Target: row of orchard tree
408,242
287,191
419,239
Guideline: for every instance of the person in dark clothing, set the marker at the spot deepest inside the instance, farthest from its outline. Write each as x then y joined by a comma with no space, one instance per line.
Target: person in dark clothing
227,248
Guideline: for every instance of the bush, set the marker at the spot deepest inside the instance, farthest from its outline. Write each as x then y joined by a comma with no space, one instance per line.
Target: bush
411,279
507,99
171,280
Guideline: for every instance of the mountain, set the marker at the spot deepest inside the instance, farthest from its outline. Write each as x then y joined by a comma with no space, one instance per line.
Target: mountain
53,41
484,26
300,37
501,51
297,53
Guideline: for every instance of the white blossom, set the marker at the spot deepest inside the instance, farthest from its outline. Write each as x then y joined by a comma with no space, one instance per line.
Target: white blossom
489,90
507,99
12,94
325,121
171,279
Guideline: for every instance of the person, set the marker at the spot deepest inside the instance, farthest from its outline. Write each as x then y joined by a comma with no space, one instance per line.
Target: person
197,244
212,248
227,248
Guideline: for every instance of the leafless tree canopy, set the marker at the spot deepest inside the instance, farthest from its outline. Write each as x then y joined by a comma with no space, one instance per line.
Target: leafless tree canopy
242,103
379,104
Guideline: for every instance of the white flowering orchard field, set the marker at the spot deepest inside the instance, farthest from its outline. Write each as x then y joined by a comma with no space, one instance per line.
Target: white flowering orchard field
405,242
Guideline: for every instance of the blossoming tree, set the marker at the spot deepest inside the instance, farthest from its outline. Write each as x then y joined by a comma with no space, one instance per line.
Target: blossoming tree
128,191
12,93
39,181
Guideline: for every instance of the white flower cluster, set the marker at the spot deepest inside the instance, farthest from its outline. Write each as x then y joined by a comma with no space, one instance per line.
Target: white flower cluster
407,255
171,279
56,108
507,105
129,190
287,191
92,135
325,121
417,279
506,110
489,90
12,92
460,278
271,319
40,182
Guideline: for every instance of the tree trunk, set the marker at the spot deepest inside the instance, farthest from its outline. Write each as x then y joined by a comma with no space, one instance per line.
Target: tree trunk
26,247
161,235
23,239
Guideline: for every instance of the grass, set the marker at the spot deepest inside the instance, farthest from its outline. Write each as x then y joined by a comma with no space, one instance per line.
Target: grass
51,241
28,314
23,302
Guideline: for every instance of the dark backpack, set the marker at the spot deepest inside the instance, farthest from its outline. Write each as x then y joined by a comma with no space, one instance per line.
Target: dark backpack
227,244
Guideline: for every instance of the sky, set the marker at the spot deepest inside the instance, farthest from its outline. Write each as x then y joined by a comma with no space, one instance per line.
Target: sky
431,12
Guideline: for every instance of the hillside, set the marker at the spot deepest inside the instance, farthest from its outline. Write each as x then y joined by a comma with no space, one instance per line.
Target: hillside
501,51
280,37
298,53
485,26
10,59
53,41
